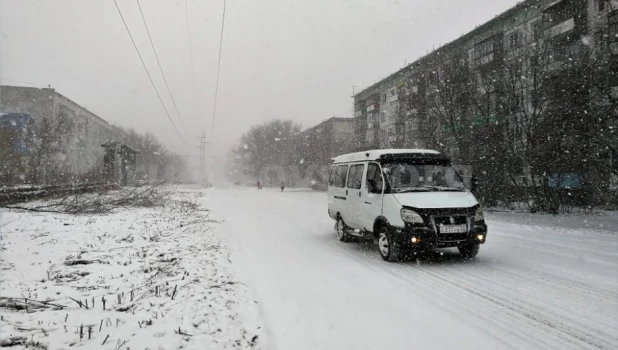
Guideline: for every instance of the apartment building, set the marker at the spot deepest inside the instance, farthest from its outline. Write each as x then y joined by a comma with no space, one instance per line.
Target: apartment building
565,26
459,97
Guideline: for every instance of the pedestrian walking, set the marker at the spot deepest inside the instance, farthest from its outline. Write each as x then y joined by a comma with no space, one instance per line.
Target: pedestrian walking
282,186
259,185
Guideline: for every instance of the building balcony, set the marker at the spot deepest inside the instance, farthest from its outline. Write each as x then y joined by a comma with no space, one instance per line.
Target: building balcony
373,107
561,28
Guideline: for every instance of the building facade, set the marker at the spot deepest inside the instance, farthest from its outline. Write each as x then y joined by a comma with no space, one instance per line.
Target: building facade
539,64
76,133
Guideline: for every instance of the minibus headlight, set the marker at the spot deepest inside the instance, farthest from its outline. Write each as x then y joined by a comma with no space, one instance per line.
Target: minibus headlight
410,216
478,216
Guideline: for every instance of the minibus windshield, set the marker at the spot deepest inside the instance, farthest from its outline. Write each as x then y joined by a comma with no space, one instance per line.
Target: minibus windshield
414,177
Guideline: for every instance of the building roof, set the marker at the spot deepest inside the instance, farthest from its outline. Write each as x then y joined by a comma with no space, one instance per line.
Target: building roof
343,119
53,91
381,153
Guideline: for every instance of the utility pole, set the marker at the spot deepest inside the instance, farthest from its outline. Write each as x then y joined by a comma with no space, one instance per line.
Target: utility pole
202,170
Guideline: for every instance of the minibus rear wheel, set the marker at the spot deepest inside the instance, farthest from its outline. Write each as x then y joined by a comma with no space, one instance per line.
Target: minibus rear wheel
342,230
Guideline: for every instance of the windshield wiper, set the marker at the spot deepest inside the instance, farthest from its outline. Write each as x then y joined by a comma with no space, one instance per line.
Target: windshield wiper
445,188
411,189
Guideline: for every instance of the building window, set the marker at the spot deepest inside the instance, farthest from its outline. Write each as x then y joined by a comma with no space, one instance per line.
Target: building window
483,52
515,69
535,98
602,5
602,41
559,13
612,30
537,30
514,40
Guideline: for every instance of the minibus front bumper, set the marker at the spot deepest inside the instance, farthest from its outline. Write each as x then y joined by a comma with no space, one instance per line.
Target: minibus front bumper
420,238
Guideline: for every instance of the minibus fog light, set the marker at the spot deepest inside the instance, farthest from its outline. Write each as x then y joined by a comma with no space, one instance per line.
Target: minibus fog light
415,239
480,237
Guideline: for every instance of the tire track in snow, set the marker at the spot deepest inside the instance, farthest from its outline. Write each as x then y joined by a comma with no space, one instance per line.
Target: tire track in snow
555,331
574,286
550,308
490,296
574,246
569,255
436,295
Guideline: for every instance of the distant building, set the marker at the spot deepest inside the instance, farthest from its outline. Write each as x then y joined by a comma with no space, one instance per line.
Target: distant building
313,149
83,131
328,139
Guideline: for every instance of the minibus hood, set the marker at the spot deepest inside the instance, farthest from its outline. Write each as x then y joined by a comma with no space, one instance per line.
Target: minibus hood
436,200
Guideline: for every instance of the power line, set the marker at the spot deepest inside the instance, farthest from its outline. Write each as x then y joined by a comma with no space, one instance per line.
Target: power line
159,64
191,52
148,73
214,112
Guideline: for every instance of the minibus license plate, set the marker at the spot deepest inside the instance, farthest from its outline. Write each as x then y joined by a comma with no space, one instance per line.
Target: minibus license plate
453,229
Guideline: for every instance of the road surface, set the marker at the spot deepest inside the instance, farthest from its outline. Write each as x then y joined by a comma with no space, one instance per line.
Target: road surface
531,286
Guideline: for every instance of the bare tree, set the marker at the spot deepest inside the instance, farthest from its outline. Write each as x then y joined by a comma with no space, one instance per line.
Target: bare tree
268,144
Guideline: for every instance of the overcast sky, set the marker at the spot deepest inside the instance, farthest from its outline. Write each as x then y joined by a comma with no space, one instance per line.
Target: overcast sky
289,59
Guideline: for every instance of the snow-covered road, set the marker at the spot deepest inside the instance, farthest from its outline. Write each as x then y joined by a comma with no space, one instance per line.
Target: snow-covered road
530,287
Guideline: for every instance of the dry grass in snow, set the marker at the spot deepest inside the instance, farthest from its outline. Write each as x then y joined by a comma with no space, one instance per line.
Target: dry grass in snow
154,277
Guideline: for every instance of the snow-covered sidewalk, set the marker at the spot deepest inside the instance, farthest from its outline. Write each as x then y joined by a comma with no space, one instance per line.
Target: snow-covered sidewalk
138,278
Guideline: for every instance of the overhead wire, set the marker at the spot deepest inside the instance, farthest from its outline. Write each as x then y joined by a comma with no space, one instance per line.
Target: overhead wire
148,73
191,52
214,112
159,64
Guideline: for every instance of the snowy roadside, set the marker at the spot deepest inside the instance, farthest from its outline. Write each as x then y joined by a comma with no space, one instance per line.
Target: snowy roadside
601,221
139,278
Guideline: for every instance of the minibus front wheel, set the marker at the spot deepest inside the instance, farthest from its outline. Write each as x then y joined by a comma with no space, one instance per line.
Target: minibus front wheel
387,246
468,250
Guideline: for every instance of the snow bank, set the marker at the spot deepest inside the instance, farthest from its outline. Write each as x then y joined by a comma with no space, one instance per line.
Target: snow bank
140,278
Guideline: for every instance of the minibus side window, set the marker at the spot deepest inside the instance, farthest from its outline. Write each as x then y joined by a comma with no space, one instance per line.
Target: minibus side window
355,178
332,175
340,179
375,181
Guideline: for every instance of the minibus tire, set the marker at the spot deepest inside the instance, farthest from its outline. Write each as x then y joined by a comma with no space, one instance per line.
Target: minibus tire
341,229
393,251
468,251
